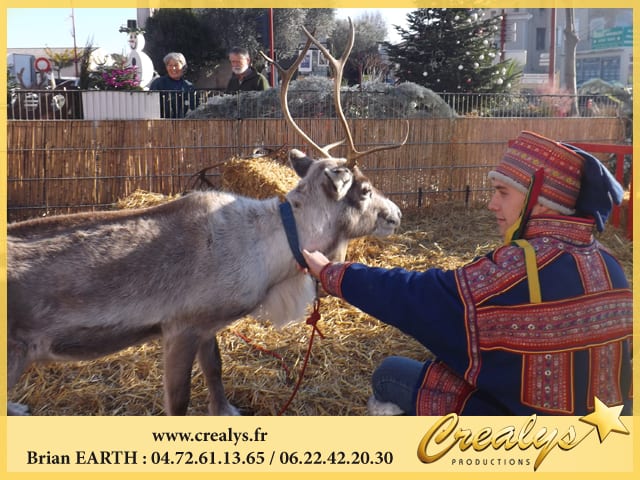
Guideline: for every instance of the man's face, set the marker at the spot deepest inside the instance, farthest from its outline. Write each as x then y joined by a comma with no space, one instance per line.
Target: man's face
239,63
507,203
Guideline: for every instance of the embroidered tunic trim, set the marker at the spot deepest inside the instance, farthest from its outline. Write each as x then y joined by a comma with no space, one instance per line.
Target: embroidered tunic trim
562,325
547,334
442,391
547,382
331,277
604,365
487,278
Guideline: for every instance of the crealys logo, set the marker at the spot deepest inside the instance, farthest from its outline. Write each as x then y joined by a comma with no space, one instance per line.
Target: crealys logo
446,436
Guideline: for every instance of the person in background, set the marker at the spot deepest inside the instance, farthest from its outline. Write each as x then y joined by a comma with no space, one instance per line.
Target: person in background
178,95
244,77
541,325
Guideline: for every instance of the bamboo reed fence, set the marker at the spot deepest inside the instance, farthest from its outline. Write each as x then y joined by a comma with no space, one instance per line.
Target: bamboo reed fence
77,165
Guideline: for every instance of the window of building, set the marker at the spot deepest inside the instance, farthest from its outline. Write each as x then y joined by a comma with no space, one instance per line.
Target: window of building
611,69
587,69
541,37
322,61
606,68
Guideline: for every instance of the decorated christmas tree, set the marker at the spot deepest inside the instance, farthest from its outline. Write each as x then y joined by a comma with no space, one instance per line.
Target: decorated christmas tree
452,51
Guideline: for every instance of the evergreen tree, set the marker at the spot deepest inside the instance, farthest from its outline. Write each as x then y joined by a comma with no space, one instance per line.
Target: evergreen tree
452,50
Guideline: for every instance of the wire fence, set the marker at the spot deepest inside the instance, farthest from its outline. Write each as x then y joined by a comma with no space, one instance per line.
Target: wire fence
68,166
70,104
533,105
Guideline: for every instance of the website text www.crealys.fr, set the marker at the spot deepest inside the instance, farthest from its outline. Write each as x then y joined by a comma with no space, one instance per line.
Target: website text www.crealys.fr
229,435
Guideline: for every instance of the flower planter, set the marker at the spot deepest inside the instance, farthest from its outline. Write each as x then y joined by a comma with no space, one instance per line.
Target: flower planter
114,105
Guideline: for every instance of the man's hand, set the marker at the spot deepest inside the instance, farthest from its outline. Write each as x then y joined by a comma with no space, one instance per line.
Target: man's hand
316,261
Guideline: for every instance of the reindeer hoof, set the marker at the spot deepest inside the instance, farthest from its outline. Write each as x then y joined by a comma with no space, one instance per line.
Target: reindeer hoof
17,409
227,410
233,411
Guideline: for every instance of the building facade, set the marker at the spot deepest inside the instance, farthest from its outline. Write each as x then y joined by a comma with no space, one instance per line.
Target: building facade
535,38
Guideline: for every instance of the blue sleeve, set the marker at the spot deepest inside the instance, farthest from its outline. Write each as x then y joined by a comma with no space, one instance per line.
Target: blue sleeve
425,305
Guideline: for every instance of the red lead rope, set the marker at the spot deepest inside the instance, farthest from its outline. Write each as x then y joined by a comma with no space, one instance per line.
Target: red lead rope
265,350
312,320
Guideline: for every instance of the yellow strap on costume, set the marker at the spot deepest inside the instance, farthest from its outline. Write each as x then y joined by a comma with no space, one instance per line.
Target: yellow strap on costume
532,270
508,235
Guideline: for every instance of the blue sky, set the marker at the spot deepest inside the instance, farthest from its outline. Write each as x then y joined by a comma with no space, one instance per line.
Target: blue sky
52,27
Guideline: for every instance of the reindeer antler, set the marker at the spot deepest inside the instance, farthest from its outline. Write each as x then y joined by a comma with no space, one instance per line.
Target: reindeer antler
286,76
338,69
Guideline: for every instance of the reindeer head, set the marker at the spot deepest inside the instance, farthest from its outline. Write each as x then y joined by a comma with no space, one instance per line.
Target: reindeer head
342,196
353,207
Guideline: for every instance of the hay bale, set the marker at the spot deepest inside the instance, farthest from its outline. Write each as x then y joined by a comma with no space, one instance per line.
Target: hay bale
142,199
257,177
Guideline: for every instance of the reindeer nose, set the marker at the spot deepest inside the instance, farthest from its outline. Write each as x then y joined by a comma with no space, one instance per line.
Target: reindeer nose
393,215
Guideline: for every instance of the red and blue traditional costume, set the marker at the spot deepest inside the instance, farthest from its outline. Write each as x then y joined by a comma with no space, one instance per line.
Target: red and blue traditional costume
540,325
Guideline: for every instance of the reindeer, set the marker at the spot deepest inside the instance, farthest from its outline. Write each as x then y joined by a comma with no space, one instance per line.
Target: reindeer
85,285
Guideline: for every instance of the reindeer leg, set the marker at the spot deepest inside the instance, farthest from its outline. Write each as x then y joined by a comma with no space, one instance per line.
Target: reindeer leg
179,352
17,363
211,365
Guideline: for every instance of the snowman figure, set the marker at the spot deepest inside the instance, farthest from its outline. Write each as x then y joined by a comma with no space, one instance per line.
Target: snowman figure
137,57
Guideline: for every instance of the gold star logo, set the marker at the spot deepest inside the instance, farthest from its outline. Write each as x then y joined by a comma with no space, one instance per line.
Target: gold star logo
605,419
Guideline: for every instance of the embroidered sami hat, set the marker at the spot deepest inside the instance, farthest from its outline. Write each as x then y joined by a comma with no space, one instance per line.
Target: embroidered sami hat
599,189
562,168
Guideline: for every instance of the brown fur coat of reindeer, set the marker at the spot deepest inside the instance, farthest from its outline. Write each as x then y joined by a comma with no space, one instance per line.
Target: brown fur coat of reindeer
85,285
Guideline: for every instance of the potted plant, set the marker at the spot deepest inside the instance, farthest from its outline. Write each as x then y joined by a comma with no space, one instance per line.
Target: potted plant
116,77
114,93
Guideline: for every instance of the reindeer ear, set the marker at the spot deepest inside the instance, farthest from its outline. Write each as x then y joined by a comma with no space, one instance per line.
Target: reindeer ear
300,162
341,178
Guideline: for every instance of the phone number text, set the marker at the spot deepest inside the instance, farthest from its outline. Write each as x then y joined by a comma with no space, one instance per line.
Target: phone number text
283,457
